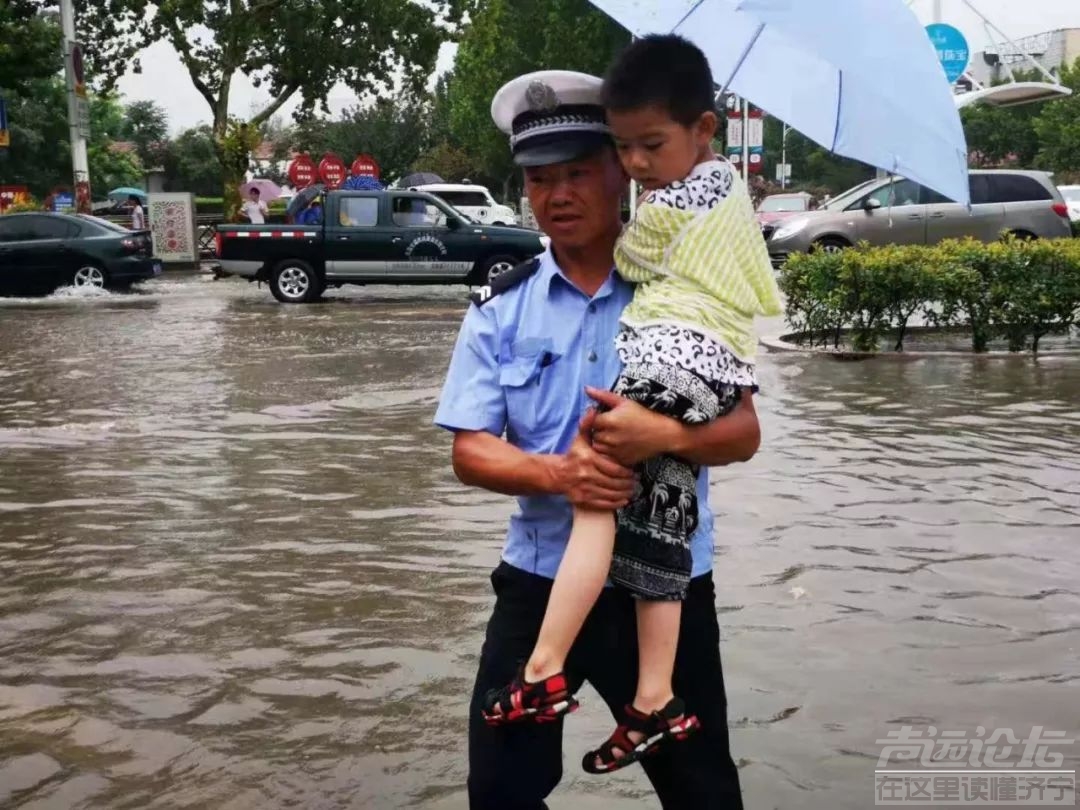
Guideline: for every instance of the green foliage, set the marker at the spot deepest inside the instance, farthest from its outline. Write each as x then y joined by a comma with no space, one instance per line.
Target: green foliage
27,205
1058,127
40,153
285,46
1015,290
29,45
146,124
191,163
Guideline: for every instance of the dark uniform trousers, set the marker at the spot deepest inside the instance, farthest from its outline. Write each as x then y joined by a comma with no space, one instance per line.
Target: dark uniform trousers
516,767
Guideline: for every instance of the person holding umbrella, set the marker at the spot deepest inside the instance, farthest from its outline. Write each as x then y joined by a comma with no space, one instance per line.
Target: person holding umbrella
515,399
686,341
138,216
254,210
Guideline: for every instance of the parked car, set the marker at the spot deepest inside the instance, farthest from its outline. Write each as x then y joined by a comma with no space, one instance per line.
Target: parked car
373,237
899,211
776,207
475,202
40,252
1072,199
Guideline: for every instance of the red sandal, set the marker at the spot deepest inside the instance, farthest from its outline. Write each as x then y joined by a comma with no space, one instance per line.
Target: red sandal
540,702
667,724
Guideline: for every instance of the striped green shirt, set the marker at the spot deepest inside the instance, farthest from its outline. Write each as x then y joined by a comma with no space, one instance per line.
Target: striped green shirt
695,250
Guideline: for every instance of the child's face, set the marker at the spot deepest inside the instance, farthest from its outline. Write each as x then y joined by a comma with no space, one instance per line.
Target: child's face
656,150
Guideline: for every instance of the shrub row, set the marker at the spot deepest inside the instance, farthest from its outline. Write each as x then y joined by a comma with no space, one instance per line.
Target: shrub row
1015,290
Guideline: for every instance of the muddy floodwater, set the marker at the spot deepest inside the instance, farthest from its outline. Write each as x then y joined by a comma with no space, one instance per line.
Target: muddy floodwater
236,570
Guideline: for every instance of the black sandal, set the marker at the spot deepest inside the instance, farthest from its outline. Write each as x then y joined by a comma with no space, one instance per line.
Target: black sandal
669,723
540,702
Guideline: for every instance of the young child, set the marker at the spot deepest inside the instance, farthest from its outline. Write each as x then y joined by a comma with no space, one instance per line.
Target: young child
687,342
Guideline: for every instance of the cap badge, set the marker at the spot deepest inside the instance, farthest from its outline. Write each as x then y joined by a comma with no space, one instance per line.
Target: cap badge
541,97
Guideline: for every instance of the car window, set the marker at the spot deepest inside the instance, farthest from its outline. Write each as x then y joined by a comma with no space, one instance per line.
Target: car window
14,229
416,212
1070,194
979,185
892,195
469,199
358,212
49,228
772,205
1006,188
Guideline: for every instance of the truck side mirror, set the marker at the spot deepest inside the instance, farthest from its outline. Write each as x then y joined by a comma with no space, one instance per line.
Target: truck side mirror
453,223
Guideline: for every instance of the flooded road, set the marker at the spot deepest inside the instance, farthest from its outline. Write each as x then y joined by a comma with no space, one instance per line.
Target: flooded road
236,570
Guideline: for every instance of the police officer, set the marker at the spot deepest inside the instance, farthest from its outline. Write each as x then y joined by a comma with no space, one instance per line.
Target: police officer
534,353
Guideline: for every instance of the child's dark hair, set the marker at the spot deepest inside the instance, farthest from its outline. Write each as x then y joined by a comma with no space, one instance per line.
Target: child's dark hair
662,70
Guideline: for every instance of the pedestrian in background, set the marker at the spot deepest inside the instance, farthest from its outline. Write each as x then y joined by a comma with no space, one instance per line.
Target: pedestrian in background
138,216
254,210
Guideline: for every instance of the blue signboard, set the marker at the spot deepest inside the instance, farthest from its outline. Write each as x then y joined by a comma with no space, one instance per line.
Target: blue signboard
952,50
63,201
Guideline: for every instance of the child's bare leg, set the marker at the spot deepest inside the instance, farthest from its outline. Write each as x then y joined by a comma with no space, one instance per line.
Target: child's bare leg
581,576
658,636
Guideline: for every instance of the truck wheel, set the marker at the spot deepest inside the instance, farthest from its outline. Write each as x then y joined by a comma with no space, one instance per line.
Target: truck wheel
496,266
295,282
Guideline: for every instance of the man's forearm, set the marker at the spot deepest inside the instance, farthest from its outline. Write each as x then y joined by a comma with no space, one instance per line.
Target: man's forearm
727,440
486,461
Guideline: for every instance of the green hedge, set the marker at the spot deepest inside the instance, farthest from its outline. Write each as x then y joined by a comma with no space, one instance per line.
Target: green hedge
1015,290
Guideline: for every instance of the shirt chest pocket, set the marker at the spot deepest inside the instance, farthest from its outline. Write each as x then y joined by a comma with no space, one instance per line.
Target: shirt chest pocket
530,381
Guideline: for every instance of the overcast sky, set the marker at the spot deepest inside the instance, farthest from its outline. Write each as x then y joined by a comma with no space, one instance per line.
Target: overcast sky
165,80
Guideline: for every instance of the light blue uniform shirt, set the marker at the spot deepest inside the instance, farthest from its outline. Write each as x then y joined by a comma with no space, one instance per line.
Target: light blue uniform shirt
520,367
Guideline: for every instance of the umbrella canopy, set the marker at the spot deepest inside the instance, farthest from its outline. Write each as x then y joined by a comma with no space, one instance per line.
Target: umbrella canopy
302,199
359,182
126,191
268,189
860,78
419,179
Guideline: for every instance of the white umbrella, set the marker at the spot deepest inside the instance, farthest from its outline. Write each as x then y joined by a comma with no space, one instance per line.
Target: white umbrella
859,77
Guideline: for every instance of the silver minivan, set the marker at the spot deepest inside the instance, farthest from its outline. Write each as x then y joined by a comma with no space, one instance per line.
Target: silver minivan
895,211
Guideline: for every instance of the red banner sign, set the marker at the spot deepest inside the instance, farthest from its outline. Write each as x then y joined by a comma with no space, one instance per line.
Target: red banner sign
365,166
332,170
302,172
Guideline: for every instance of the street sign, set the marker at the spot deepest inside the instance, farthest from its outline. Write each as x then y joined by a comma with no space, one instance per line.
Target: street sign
783,172
77,87
952,49
62,201
302,171
365,166
332,170
5,136
78,70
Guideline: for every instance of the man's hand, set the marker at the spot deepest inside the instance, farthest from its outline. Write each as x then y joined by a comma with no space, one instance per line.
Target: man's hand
588,478
629,432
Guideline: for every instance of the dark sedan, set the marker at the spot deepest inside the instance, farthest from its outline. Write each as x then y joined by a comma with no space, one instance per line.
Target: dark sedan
42,252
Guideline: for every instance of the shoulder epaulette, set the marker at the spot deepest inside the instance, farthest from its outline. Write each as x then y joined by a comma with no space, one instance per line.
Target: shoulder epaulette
504,281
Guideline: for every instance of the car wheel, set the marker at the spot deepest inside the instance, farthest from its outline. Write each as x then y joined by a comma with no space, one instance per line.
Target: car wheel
496,266
1024,236
89,275
295,282
831,244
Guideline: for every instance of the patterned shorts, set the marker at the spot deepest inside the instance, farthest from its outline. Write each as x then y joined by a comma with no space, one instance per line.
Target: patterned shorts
652,542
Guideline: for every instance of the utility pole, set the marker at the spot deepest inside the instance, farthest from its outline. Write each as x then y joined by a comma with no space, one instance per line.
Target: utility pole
76,87
745,141
783,157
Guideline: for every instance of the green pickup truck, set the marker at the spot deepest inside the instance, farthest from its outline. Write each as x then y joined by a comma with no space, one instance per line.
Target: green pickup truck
373,237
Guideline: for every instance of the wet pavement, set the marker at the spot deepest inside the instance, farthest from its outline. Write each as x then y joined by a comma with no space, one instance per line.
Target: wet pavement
236,570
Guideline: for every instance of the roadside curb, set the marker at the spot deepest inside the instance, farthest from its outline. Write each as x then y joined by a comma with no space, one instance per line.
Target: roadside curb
786,344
